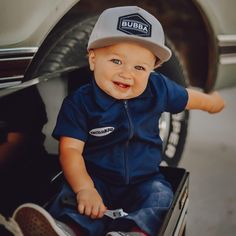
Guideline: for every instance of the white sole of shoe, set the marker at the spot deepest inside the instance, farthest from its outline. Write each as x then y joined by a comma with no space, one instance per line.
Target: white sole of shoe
35,221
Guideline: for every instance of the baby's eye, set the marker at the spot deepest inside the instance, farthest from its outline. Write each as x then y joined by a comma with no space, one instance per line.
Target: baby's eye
139,68
116,61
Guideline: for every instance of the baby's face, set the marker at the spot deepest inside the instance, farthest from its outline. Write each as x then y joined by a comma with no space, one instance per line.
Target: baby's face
122,70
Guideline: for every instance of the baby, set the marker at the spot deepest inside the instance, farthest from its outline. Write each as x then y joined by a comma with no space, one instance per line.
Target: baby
110,148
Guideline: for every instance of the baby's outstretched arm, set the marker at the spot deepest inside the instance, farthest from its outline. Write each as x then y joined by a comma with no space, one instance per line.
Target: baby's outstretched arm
211,102
89,201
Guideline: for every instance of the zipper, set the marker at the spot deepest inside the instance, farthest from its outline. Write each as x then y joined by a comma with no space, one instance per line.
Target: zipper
131,133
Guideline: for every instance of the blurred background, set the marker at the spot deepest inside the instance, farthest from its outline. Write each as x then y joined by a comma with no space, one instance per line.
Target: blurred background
210,157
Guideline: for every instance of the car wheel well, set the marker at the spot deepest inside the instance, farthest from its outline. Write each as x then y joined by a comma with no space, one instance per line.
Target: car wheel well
182,22
184,25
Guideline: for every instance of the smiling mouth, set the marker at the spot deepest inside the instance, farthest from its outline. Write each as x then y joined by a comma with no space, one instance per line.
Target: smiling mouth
122,85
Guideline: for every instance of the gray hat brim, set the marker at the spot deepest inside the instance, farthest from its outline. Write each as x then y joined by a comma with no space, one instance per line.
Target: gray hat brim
161,52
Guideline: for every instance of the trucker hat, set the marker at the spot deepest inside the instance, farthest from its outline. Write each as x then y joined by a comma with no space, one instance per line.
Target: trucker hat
129,23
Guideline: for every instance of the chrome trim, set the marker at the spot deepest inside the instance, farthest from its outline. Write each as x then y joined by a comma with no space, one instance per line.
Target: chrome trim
227,40
227,49
12,83
12,77
16,58
12,51
227,59
22,55
37,80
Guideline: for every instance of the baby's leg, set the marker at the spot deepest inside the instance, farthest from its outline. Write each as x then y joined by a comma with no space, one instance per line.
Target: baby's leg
146,204
151,204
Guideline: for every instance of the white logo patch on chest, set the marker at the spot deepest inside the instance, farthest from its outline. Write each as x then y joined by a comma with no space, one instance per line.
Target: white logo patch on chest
99,132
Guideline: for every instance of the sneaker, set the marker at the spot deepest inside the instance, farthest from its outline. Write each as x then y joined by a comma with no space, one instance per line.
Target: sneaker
32,220
118,233
11,226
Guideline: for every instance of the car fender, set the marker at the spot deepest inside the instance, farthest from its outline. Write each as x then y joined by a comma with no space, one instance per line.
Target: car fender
35,19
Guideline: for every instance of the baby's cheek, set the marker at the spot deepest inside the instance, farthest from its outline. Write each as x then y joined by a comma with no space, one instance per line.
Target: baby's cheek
139,89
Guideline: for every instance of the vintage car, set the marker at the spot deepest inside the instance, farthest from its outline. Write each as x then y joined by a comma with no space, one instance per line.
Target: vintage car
43,45
46,37
41,37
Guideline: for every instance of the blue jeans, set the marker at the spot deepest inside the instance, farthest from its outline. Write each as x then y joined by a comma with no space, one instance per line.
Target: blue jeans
146,204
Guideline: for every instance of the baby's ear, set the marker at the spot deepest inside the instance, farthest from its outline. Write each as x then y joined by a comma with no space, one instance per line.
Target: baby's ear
91,58
158,63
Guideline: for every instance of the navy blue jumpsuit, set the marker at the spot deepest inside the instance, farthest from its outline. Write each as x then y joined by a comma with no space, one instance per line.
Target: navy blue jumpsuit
122,152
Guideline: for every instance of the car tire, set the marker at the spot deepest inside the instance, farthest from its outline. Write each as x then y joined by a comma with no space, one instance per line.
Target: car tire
173,127
66,46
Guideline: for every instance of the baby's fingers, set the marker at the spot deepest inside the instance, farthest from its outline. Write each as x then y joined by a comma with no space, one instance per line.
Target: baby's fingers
88,210
85,209
81,208
95,212
102,211
98,211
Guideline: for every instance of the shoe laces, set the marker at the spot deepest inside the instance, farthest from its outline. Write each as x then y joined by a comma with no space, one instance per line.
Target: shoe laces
11,225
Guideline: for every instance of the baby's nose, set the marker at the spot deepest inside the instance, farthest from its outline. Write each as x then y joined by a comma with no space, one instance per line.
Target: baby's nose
126,72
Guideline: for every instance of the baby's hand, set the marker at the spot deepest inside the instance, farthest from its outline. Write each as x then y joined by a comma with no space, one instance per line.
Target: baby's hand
90,203
217,102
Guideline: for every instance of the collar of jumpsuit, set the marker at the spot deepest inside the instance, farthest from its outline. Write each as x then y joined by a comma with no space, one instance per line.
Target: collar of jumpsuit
105,101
